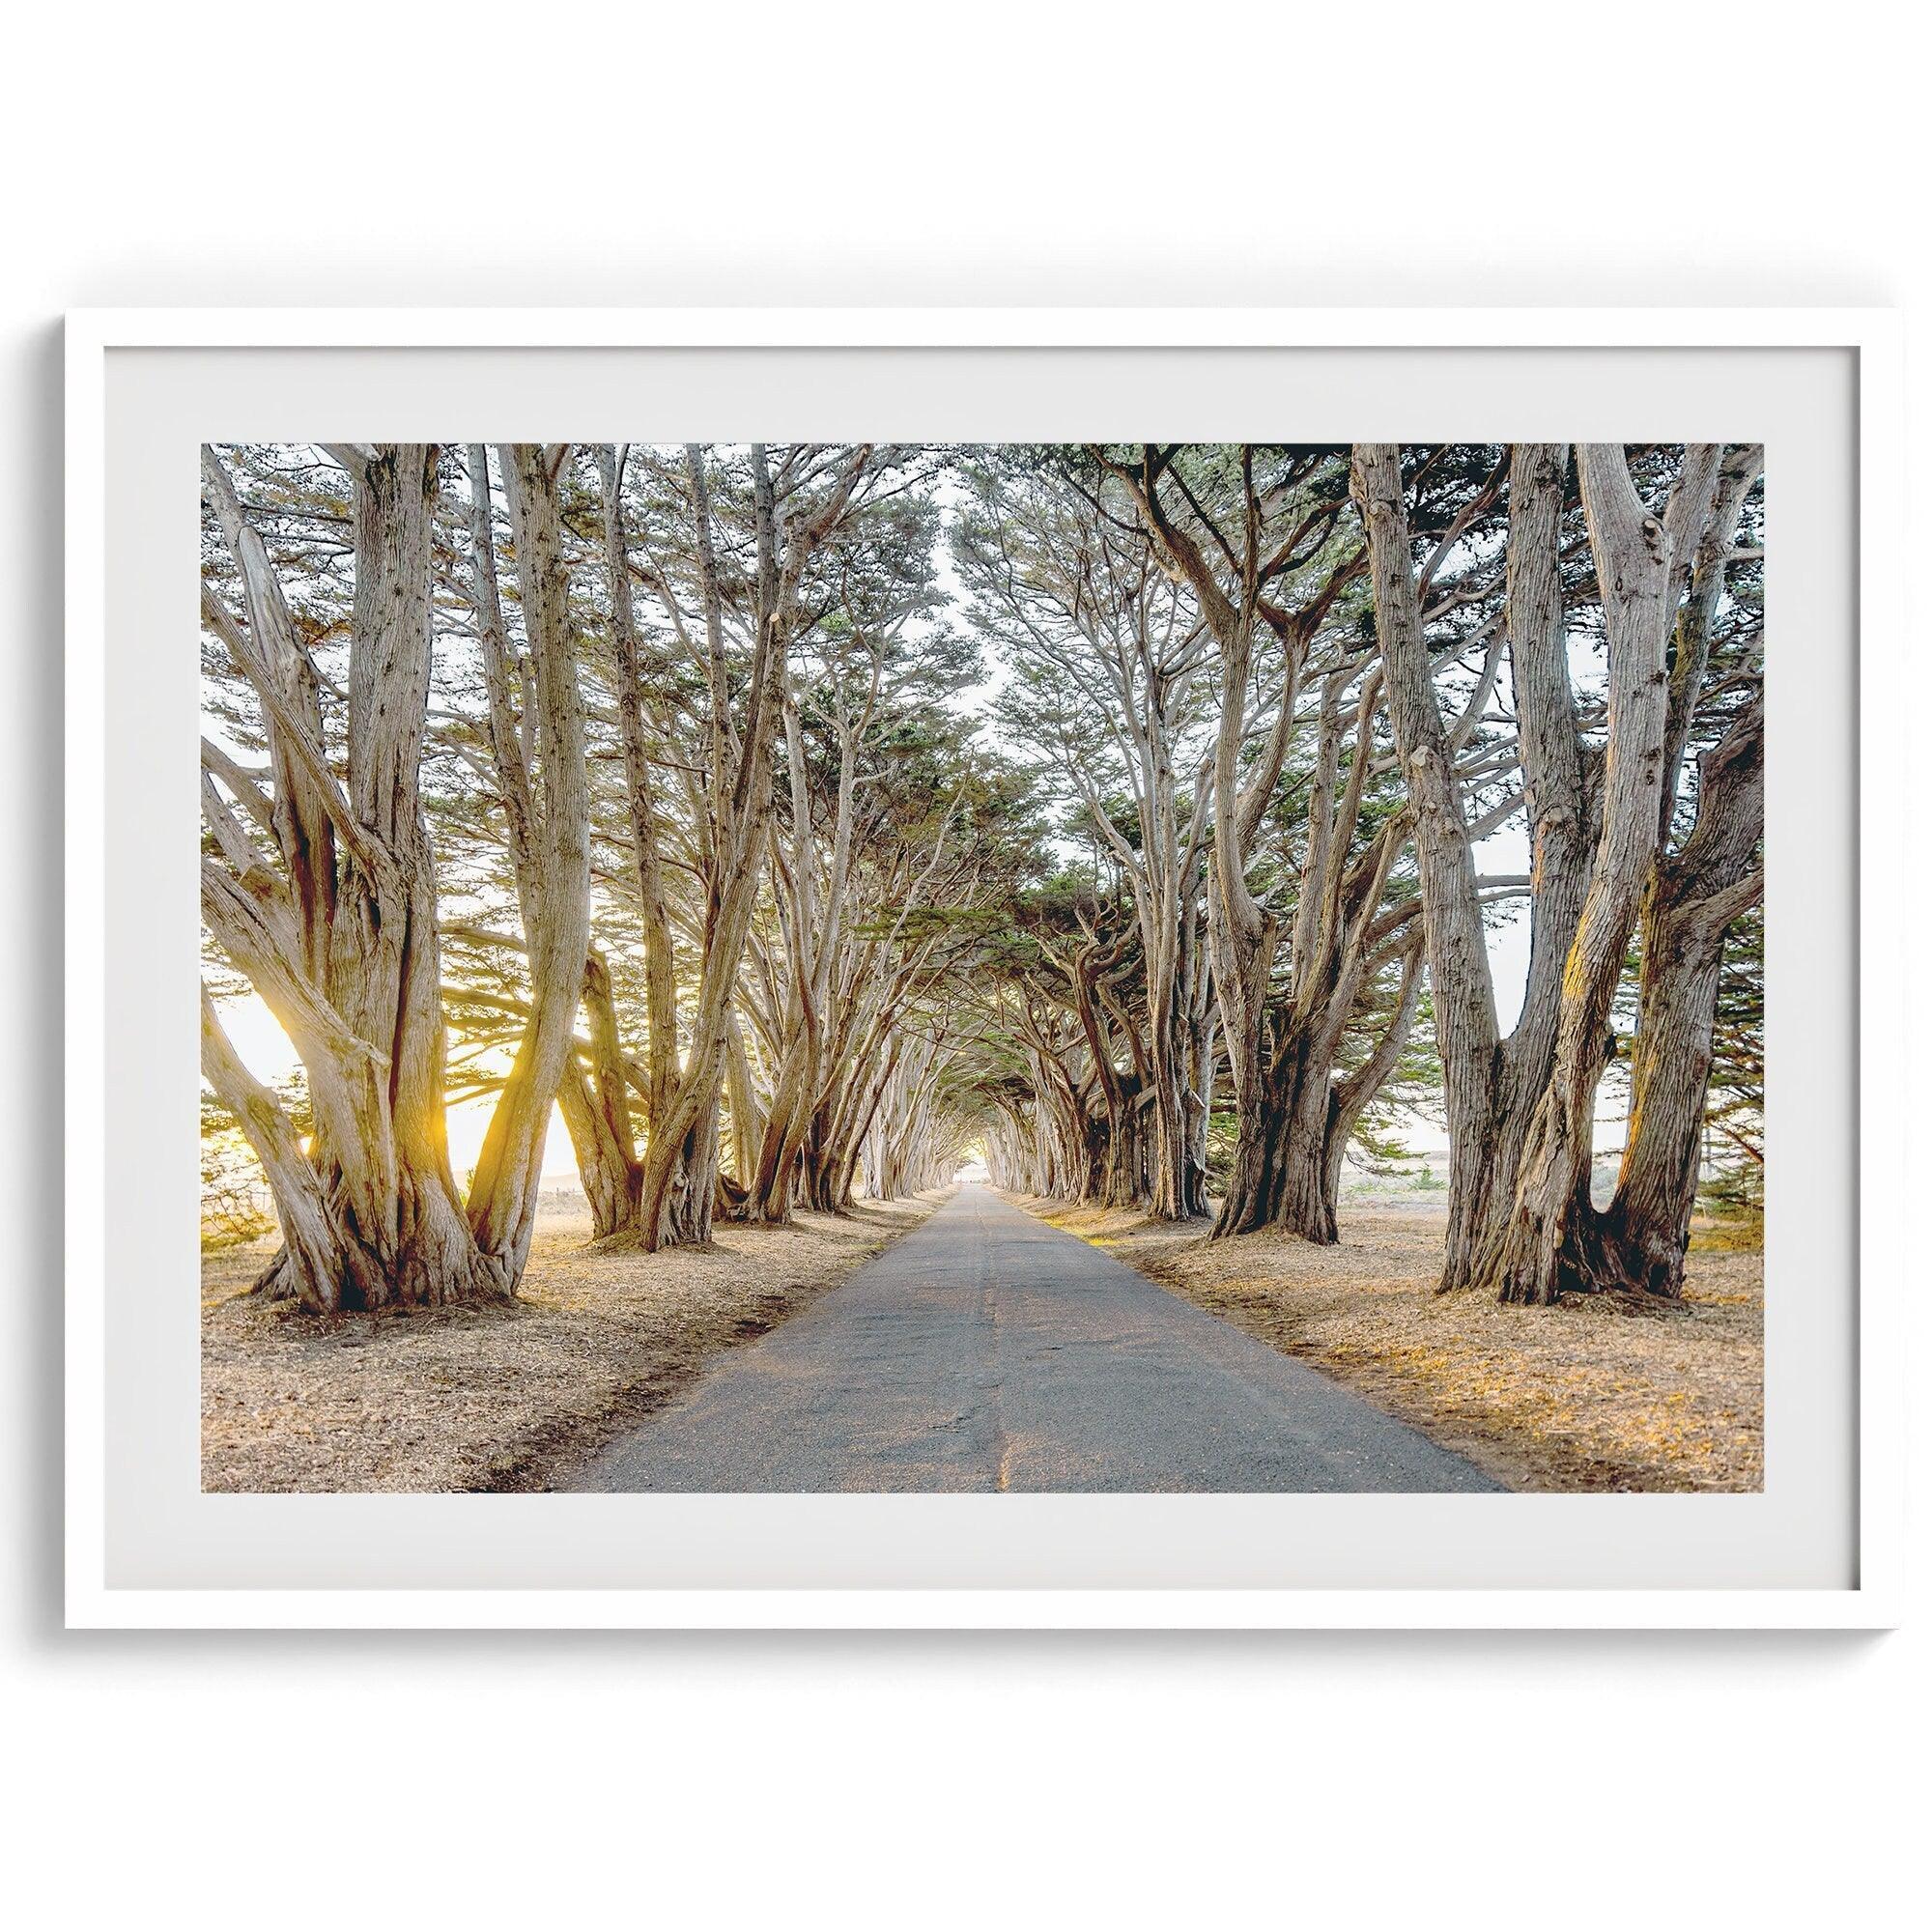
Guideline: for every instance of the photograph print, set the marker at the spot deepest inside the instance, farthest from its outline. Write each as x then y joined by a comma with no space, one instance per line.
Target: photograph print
868,968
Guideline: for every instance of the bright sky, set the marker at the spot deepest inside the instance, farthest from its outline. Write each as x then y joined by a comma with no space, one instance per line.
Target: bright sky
262,1044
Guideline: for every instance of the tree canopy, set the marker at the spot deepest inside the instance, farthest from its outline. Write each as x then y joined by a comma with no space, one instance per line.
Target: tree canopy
792,820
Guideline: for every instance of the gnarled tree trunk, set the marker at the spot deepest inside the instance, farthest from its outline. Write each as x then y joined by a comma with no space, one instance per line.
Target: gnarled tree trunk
337,930
1535,1252
1637,1243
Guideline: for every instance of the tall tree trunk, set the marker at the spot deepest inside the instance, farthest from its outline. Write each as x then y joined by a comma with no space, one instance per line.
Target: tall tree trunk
509,1171
1638,1242
660,966
1459,963
1558,803
680,1163
1199,1064
348,961
1531,1259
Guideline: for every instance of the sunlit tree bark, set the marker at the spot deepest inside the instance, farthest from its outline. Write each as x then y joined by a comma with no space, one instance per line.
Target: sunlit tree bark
337,928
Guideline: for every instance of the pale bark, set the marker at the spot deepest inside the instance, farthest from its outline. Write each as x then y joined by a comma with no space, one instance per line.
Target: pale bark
1461,991
1498,1091
639,790
1280,1062
1531,1257
1693,897
1557,802
338,934
592,1091
594,1097
1638,1242
680,1167
314,1254
509,1170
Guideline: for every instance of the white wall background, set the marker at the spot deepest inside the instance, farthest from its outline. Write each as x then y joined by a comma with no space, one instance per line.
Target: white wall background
829,154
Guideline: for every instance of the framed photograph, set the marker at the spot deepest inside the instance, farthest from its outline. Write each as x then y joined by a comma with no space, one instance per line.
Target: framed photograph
830,995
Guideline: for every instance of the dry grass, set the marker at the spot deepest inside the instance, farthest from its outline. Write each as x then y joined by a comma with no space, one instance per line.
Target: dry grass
498,1398
1582,1397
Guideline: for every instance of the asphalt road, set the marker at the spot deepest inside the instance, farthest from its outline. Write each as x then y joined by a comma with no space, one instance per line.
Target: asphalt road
985,1350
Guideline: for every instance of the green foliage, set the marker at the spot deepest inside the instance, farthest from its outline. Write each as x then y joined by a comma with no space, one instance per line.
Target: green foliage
235,1204
1732,1182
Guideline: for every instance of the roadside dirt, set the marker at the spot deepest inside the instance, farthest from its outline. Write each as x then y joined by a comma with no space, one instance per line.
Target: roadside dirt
1585,1397
500,1397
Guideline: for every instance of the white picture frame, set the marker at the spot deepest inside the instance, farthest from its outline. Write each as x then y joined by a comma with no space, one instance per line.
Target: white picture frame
1872,1597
